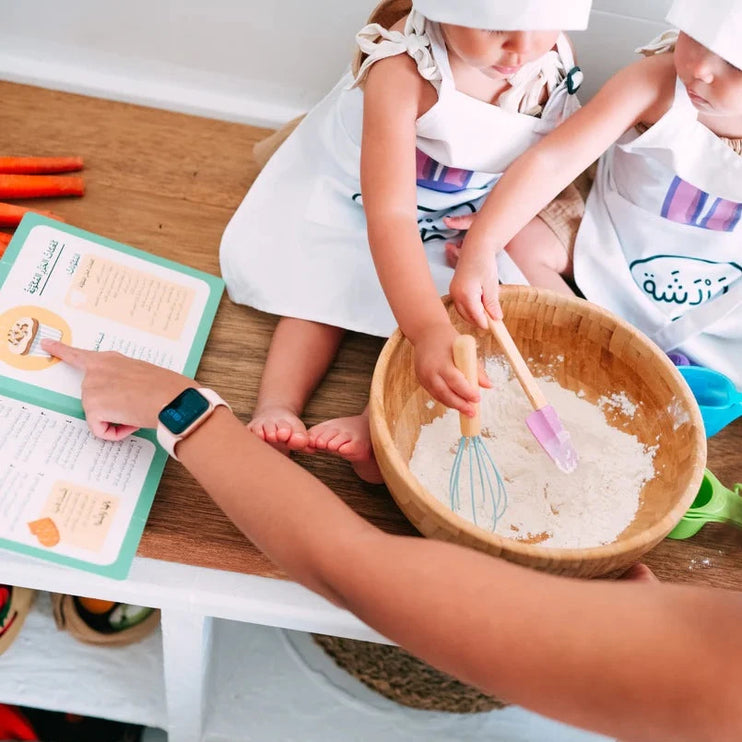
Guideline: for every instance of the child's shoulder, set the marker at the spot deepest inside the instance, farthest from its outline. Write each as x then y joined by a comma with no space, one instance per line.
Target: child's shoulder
397,71
397,81
657,74
647,86
655,71
398,76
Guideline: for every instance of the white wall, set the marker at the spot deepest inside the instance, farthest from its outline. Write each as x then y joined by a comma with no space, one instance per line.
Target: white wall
242,60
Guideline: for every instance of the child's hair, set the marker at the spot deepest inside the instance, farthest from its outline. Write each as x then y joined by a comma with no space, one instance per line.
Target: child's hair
386,14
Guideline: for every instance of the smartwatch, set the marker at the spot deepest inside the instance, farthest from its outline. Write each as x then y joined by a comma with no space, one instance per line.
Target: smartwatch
179,418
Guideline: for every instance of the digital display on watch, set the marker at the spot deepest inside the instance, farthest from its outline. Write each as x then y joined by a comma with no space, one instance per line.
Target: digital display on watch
183,411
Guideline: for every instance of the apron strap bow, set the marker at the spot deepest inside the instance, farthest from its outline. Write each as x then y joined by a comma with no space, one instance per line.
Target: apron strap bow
377,42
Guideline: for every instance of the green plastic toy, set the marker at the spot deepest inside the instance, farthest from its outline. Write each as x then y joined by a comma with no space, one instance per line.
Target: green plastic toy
714,503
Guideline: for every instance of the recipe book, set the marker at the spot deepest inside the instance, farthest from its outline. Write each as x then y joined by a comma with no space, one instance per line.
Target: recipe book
66,496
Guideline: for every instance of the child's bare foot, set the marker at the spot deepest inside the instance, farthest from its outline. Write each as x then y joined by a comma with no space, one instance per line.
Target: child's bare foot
350,438
280,427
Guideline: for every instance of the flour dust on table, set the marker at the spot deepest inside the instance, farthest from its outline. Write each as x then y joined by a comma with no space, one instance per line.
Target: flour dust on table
587,508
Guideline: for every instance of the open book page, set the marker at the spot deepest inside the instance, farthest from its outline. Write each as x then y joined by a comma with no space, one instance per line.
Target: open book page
68,285
66,496
65,492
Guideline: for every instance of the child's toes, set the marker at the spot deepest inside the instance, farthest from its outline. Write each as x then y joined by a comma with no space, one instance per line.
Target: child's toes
284,431
338,441
354,449
322,435
267,431
298,440
320,438
270,432
256,428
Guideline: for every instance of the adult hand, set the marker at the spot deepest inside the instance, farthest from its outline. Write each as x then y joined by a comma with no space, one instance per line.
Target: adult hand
475,286
119,394
437,372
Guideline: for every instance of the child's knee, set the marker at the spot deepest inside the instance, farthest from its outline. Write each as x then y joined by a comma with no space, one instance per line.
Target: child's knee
524,247
537,245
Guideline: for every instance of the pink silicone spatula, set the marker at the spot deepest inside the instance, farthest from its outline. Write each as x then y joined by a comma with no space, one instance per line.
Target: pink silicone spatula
543,422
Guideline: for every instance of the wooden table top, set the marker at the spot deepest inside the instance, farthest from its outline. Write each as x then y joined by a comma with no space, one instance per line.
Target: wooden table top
168,183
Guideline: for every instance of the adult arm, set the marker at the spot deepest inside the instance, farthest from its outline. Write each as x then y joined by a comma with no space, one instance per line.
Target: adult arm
638,661
640,92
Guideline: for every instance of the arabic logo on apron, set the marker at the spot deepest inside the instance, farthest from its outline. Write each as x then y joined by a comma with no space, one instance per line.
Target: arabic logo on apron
678,283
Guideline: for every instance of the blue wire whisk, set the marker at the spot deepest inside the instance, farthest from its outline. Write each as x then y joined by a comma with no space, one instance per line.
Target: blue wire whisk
475,485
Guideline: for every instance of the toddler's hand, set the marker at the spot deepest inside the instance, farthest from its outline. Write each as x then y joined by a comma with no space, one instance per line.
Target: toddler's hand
461,223
475,287
438,374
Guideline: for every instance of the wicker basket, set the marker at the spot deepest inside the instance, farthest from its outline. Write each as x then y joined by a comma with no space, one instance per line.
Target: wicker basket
401,677
584,348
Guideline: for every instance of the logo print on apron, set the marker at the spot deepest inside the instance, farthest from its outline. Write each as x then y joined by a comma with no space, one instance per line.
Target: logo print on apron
680,283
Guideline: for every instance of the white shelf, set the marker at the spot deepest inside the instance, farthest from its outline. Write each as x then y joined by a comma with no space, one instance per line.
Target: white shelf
197,590
217,670
266,684
46,668
190,599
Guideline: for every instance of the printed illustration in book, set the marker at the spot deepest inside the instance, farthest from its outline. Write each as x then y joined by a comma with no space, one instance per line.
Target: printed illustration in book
65,495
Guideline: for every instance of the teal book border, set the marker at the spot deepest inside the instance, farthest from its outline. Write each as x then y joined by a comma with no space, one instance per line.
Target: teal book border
67,405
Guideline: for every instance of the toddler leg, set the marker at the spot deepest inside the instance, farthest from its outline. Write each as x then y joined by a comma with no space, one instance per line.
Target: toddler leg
542,258
538,253
543,249
350,438
299,356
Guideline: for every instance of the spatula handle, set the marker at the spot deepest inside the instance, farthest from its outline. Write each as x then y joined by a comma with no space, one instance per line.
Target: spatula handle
520,369
465,358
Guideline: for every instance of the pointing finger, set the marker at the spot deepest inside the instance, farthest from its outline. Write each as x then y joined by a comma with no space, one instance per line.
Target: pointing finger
75,357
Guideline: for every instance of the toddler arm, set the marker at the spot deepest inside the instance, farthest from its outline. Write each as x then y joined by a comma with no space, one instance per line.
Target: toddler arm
537,176
394,95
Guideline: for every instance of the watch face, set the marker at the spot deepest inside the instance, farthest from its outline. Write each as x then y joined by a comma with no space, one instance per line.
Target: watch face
183,411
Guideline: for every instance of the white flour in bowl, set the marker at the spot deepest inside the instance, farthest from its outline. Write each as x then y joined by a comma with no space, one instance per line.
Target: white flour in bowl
589,507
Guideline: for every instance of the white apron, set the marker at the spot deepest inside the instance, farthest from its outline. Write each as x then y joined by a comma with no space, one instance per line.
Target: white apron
297,245
661,241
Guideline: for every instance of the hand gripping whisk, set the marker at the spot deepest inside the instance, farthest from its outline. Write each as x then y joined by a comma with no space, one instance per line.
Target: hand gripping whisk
476,487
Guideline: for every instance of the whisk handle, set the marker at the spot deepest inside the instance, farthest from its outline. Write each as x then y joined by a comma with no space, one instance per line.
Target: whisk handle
465,358
517,362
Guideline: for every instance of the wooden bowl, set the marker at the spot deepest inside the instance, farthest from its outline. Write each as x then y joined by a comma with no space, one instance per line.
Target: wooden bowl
583,347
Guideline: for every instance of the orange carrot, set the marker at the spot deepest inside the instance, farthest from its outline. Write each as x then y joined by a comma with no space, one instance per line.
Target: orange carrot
10,215
31,186
40,164
4,241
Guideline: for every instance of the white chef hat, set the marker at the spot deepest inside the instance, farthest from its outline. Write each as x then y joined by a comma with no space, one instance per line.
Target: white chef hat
508,15
716,24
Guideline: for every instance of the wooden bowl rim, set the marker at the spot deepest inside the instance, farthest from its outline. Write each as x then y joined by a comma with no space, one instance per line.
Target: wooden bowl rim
381,436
